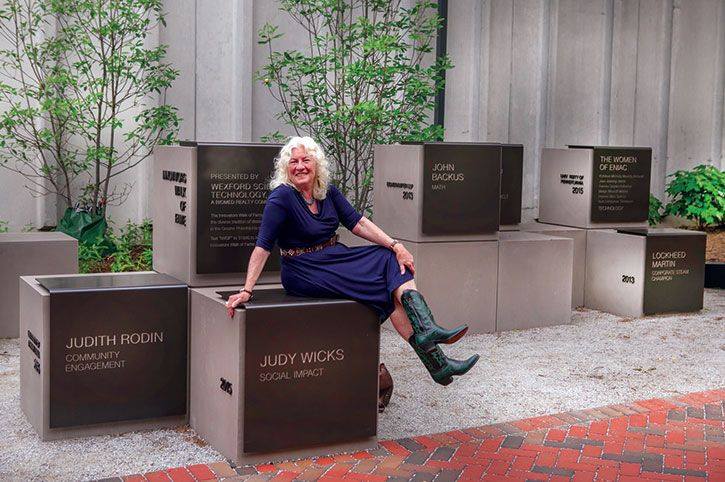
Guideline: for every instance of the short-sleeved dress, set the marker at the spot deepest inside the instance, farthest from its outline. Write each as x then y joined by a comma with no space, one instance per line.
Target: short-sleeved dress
367,274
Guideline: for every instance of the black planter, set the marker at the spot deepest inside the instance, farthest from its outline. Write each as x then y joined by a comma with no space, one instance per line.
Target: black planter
715,274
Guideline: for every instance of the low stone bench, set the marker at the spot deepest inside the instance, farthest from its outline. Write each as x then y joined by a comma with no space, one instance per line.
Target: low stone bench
635,272
30,254
103,354
522,280
534,280
287,377
579,237
458,280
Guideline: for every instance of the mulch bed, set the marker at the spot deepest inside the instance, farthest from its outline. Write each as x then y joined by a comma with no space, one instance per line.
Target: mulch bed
715,250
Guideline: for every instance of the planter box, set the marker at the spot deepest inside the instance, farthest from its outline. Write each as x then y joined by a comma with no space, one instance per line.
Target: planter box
207,207
714,274
534,280
103,354
28,254
286,378
595,186
646,271
579,237
438,191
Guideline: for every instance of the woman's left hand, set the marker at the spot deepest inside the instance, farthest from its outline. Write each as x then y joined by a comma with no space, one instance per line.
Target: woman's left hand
405,259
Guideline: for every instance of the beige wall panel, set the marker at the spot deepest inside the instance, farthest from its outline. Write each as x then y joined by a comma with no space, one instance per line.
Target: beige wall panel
542,73
500,75
696,85
528,93
580,78
465,34
624,72
179,36
653,85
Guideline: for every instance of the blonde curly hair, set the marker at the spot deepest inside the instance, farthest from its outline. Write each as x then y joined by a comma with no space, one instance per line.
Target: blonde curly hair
322,166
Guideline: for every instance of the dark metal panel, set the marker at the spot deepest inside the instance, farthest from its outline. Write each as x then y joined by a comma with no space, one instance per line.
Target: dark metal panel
321,387
107,282
278,297
441,52
461,188
620,184
117,355
674,273
654,232
587,146
232,188
512,172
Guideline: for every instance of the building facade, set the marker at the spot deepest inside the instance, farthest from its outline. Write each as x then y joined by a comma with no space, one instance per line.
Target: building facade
537,72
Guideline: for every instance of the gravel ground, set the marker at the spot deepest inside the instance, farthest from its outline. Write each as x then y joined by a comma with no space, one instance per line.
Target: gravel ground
600,359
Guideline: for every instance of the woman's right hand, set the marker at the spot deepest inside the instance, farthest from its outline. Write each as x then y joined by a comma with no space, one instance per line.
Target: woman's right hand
236,300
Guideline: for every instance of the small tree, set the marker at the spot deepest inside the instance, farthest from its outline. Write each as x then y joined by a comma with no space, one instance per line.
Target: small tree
35,124
360,80
81,94
698,195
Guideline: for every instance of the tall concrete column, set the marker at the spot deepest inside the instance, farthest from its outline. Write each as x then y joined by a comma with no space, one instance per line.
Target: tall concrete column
579,73
527,102
224,33
536,72
179,35
467,47
649,91
696,84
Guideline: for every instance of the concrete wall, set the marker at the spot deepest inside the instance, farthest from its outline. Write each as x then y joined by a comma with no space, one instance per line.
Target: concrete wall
618,72
537,72
17,206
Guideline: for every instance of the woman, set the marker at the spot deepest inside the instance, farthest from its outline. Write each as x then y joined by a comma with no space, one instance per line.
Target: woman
302,214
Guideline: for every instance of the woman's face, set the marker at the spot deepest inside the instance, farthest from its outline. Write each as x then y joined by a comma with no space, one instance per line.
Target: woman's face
301,169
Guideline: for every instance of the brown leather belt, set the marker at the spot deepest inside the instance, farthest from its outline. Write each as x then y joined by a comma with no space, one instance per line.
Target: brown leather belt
311,249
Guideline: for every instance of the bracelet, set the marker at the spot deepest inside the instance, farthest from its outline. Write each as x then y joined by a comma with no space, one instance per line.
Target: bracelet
392,245
245,290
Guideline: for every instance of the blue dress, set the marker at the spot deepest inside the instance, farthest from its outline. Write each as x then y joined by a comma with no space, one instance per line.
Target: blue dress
367,274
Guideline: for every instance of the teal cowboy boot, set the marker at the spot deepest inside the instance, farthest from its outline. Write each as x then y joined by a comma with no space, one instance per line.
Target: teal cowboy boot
427,333
441,368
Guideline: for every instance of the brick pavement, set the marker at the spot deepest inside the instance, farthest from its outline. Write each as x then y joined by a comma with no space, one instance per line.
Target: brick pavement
679,439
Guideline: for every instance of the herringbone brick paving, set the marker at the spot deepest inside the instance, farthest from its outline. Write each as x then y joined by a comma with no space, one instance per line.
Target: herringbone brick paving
678,439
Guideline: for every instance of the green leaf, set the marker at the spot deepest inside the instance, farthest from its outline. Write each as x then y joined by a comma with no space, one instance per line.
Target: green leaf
360,84
698,194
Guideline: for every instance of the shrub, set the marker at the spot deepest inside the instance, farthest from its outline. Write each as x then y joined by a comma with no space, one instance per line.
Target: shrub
133,248
3,226
90,258
132,251
698,195
655,210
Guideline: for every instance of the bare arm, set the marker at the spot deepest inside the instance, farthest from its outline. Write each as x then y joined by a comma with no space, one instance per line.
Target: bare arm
367,229
256,264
